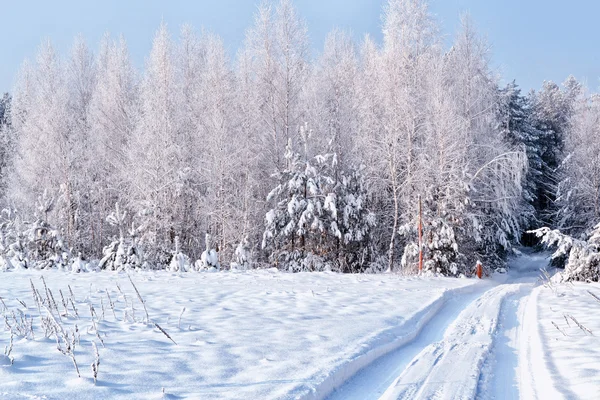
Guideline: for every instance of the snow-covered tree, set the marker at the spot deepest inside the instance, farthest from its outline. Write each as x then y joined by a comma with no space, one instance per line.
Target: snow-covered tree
243,255
154,152
112,112
46,145
580,258
552,112
278,48
6,141
518,127
317,223
578,191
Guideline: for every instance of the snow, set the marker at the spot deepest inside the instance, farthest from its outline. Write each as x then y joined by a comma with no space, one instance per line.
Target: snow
570,357
496,342
269,335
251,334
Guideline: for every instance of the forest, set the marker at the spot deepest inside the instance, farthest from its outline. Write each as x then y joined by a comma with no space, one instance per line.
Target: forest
356,159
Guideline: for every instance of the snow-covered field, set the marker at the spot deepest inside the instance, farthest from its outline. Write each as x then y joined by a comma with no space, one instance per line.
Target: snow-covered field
272,335
246,335
570,351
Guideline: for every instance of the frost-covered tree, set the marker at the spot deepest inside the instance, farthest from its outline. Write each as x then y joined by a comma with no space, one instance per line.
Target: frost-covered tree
224,162
46,159
279,50
517,124
80,76
112,112
553,108
494,169
6,141
392,112
154,152
317,223
331,97
580,258
578,192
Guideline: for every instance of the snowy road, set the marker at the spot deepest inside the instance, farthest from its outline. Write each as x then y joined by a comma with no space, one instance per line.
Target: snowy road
478,345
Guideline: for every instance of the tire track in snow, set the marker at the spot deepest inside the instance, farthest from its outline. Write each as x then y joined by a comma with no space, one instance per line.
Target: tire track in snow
517,367
450,364
374,378
450,369
499,375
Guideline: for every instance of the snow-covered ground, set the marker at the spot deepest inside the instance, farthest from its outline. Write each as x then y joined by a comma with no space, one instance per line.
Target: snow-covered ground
243,335
500,345
271,335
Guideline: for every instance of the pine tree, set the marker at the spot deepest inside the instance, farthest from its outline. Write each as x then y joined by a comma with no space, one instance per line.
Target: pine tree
552,112
317,222
517,125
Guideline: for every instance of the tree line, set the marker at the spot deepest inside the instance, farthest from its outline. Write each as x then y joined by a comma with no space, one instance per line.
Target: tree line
281,157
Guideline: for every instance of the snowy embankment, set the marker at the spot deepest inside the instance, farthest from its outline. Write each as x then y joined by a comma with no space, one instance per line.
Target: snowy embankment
258,334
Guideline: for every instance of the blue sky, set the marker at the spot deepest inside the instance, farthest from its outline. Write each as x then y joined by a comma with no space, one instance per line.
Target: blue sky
532,40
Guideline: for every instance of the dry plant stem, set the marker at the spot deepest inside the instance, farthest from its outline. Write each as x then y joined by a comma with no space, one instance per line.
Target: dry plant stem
583,328
139,297
92,314
36,297
61,334
594,296
74,308
71,291
64,303
112,305
163,331
180,315
560,330
102,305
123,294
52,302
96,363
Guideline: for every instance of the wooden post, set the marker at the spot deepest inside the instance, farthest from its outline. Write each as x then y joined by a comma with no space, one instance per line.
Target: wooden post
479,270
420,235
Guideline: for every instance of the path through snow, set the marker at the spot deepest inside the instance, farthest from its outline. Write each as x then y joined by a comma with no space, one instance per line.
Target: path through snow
479,345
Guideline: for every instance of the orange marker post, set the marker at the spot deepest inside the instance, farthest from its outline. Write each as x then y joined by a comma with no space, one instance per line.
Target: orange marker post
479,270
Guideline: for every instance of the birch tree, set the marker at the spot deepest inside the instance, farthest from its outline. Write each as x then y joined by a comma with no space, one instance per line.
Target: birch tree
154,152
112,115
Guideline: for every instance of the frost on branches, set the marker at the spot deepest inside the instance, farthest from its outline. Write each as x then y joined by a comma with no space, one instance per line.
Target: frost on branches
124,252
317,223
34,244
581,258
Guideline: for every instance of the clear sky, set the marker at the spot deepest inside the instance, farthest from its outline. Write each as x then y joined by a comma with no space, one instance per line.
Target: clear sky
532,40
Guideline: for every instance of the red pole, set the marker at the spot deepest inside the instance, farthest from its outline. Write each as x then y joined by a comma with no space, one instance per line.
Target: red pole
420,235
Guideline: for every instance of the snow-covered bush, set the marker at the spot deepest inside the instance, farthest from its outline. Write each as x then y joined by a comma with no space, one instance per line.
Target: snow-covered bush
180,262
243,255
580,258
209,258
45,247
12,251
123,253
